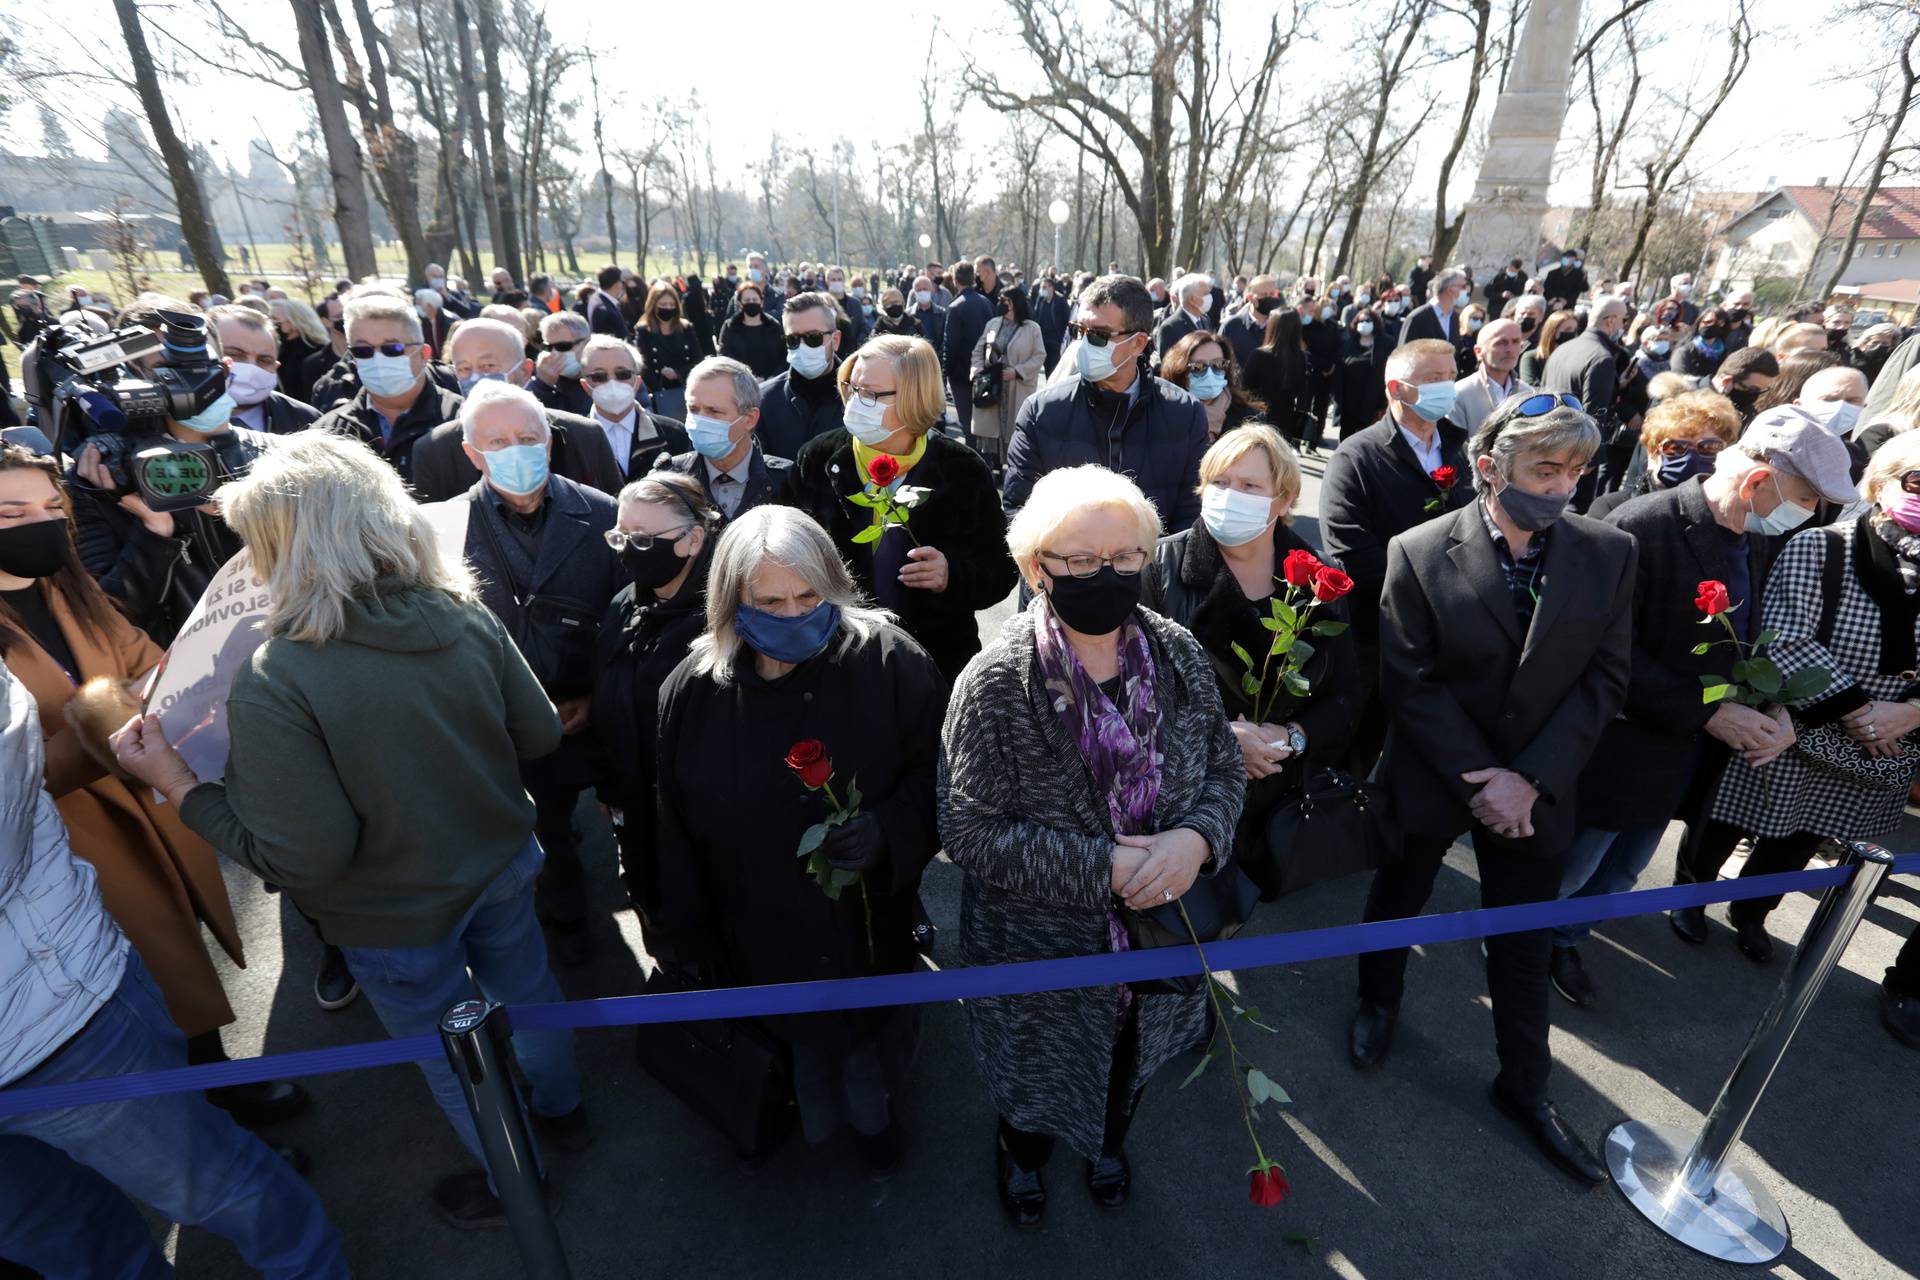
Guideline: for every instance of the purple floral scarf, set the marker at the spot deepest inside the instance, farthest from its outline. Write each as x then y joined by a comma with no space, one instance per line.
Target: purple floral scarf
1121,748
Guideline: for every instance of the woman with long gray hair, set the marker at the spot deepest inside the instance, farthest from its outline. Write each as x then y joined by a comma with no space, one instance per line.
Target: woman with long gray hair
799,699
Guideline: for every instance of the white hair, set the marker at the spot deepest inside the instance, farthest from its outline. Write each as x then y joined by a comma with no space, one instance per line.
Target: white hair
305,320
499,330
572,321
1061,495
1191,280
607,342
1448,278
787,536
1530,302
426,298
382,306
746,387
490,392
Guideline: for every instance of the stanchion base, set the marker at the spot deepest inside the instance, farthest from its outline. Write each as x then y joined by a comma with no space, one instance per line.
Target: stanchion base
1741,1223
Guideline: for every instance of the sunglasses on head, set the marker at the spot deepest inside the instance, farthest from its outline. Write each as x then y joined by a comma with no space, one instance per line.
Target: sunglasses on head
599,376
1545,402
811,339
367,351
1098,337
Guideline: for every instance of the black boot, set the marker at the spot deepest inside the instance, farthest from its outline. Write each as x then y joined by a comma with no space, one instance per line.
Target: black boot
1371,1034
1022,1193
1690,923
1110,1178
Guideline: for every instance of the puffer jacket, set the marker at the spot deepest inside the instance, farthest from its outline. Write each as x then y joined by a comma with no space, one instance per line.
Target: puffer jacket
61,955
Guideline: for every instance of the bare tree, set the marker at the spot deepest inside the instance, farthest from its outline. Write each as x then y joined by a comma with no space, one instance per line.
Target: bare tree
1398,53
1445,232
390,148
937,145
1895,106
352,218
606,175
1613,108
506,231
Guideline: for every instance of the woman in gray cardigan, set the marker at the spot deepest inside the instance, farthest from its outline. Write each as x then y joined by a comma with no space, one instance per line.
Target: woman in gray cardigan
1085,763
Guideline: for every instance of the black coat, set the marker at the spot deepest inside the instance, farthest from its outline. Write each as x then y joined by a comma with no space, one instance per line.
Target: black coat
1563,287
1156,438
1417,281
1278,379
793,410
1166,337
335,371
1052,314
358,418
1360,384
679,351
441,471
1467,690
767,477
283,414
665,437
967,317
1374,490
295,382
732,890
1325,343
565,396
960,516
761,347
1501,287
885,326
1695,363
1644,760
1588,367
933,324
1244,331
1425,322
605,316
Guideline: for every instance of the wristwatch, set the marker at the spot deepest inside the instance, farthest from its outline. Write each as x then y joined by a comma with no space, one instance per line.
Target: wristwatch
1296,739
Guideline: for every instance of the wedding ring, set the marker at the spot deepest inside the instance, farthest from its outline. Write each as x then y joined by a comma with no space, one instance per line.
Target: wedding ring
1873,731
1167,894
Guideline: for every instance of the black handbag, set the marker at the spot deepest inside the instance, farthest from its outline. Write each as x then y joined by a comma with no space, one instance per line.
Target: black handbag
1218,905
731,1073
989,384
1334,827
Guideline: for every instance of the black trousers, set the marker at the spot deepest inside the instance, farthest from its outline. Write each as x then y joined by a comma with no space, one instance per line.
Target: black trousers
1771,854
1510,873
1370,726
561,891
1033,1150
1904,977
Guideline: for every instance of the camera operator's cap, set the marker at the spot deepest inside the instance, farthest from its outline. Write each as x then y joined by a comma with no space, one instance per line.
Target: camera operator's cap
30,438
1792,440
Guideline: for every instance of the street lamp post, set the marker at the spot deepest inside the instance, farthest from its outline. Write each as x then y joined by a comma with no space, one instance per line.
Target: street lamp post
926,242
1059,212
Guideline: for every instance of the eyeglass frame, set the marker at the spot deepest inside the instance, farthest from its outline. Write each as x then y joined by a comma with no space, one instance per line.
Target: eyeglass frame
1100,337
1102,562
817,338
598,377
619,539
869,398
368,350
1684,447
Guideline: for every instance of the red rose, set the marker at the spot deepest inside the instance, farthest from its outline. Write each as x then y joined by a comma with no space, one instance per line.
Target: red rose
1445,477
884,470
809,760
1712,598
1299,568
1329,584
1270,1186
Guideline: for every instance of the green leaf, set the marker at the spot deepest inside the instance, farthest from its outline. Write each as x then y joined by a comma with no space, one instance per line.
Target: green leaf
1296,683
1272,624
1302,651
1764,677
810,839
1765,638
843,879
1283,642
1329,628
1250,684
853,796
1742,672
870,534
1206,1060
1262,1089
862,500
1702,647
1240,652
1805,683
1285,612
1716,692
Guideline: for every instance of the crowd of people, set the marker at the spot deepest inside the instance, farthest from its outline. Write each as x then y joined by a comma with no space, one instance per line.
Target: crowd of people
725,544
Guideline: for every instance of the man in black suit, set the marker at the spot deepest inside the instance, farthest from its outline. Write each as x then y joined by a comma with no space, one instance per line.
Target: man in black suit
1052,311
538,547
1189,298
803,400
1379,484
556,372
1567,281
1441,317
1505,646
1420,278
635,437
723,410
1503,285
1246,328
967,317
927,312
603,304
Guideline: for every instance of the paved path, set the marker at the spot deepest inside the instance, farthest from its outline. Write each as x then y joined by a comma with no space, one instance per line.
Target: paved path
1407,1172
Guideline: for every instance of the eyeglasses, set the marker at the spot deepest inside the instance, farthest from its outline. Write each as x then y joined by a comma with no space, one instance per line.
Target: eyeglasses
1212,366
620,539
1710,447
599,376
564,345
811,339
871,398
366,351
1098,337
1126,564
1545,402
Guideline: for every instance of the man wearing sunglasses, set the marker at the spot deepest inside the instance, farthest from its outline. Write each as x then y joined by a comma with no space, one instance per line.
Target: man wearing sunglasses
636,437
803,401
1506,644
556,371
397,404
1111,412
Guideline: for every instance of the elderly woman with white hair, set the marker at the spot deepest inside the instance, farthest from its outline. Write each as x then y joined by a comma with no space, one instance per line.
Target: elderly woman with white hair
1086,764
804,700
385,705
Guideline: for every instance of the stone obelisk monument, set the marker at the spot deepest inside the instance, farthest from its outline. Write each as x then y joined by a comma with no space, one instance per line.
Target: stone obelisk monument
1510,196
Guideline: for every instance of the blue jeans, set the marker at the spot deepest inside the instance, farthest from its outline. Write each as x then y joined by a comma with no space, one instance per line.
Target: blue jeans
499,940
1600,861
60,1212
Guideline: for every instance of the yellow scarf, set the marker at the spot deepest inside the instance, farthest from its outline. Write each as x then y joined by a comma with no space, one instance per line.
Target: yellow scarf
863,457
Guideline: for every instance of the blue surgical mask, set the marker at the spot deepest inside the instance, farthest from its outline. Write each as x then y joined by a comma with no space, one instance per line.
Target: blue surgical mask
1235,518
519,469
1364,328
1363,298
790,640
1709,348
1660,348
215,417
1307,318
570,367
711,437
1435,402
468,381
808,362
1207,384
1095,363
1780,521
387,375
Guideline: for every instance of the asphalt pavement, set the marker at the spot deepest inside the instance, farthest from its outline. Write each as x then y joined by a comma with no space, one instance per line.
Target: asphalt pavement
1403,1172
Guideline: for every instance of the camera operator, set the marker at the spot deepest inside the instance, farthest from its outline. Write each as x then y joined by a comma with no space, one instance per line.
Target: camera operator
156,563
398,403
251,346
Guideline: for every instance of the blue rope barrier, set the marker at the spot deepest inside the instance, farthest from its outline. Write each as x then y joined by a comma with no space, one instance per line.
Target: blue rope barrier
1026,978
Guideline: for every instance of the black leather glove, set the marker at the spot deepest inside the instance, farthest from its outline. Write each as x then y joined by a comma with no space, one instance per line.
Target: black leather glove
859,844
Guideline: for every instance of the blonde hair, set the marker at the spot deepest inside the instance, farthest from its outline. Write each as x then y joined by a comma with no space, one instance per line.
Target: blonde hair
920,397
1903,410
787,536
1254,438
323,517
305,320
1690,414
1899,455
1767,330
1061,495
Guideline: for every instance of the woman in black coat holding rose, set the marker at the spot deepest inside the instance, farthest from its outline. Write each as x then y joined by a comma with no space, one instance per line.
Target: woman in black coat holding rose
794,654
1217,579
950,558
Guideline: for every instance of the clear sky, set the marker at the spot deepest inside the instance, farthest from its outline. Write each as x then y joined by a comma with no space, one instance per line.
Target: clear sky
1788,121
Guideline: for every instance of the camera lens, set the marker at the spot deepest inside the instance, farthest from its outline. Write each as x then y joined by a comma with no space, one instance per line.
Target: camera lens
184,333
176,475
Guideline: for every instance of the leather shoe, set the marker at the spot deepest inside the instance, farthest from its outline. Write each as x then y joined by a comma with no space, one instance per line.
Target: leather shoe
1690,923
1570,977
1755,943
1022,1194
1371,1035
465,1201
1110,1178
1553,1135
264,1102
1900,1015
335,987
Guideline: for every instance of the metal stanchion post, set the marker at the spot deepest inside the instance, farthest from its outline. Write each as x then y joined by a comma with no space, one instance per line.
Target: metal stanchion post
1692,1188
478,1041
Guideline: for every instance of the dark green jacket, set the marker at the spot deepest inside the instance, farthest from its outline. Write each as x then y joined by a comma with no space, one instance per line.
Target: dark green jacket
376,777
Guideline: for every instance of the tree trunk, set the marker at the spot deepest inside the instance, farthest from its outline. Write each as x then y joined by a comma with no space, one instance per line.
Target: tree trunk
606,175
390,150
498,237
351,215
1445,231
1371,162
202,237
1895,122
507,252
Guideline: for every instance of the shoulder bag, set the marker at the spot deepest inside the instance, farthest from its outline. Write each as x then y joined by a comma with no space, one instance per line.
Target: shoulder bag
990,383
1827,747
730,1073
1336,826
1219,906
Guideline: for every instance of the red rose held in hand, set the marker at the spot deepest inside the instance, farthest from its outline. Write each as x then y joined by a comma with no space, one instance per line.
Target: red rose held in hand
1270,1187
1299,567
809,760
884,470
1329,584
1445,477
1712,599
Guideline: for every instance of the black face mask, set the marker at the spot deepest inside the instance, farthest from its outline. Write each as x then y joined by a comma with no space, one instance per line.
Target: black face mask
668,315
1528,324
750,308
1094,606
35,550
654,567
895,310
1744,399
1265,305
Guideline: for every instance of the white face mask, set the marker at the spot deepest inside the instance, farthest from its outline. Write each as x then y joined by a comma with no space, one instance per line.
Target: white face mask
864,422
923,296
1837,416
1234,518
613,398
249,384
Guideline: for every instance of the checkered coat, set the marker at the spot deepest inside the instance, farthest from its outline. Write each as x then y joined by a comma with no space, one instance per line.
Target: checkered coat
1797,796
